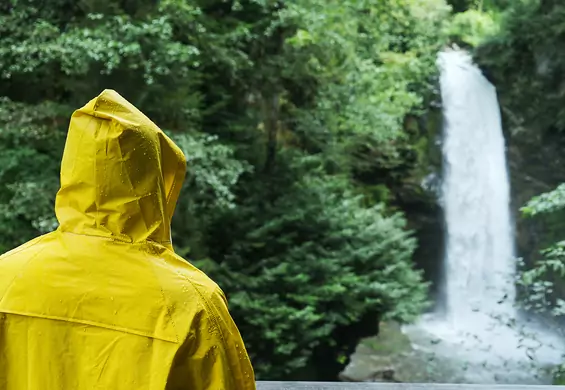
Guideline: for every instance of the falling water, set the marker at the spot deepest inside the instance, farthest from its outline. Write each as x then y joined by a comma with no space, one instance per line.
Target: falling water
479,261
480,325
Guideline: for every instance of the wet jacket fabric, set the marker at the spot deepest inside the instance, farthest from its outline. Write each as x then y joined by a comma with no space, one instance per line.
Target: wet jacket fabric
104,302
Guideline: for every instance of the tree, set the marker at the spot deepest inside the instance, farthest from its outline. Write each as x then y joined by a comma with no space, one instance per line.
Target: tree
278,106
314,259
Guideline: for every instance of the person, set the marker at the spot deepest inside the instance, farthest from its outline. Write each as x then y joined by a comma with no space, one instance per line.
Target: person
104,302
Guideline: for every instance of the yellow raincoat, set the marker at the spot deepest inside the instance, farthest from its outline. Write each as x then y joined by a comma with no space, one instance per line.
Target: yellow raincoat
104,302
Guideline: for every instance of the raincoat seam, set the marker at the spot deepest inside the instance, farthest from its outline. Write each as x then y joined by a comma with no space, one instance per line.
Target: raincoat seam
20,249
90,323
106,129
204,302
175,181
163,295
21,272
116,239
210,313
97,195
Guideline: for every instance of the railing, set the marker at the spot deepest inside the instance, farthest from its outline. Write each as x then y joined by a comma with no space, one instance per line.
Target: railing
391,386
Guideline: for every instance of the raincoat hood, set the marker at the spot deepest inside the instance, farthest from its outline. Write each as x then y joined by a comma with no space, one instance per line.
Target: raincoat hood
120,175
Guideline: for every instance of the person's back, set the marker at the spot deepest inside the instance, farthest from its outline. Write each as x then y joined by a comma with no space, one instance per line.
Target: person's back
104,302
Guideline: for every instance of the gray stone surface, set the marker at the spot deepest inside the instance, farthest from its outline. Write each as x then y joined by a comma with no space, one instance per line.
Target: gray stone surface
416,356
391,386
389,357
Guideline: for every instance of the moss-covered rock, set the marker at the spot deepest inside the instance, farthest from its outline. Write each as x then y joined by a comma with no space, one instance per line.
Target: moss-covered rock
414,355
419,193
390,357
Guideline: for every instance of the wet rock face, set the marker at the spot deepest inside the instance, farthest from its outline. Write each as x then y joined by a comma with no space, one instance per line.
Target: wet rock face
390,357
417,357
386,375
418,196
536,161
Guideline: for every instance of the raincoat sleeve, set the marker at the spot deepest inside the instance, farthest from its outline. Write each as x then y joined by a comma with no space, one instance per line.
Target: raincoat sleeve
213,356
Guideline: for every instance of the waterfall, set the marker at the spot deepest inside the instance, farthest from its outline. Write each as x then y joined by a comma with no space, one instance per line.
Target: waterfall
480,338
479,263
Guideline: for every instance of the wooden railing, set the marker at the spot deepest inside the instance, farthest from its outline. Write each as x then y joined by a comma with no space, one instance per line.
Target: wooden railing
391,386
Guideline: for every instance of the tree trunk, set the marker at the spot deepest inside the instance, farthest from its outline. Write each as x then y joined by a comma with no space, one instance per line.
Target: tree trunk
271,121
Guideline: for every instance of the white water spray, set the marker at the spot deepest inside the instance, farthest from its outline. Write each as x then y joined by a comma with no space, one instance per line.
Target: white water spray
480,326
479,261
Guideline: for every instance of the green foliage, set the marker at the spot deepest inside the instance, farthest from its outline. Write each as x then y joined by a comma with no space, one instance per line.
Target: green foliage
374,63
559,376
208,190
304,280
31,140
287,111
480,5
547,211
472,27
526,61
213,170
538,281
546,203
527,66
367,54
541,281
